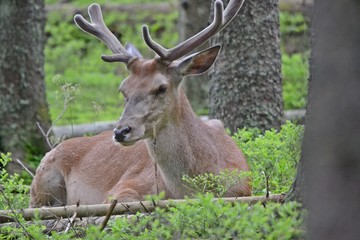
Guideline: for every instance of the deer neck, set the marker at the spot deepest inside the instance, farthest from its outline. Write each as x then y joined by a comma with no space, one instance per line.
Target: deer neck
174,146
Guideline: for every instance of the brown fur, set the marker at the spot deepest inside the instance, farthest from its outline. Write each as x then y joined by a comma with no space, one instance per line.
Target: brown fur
92,170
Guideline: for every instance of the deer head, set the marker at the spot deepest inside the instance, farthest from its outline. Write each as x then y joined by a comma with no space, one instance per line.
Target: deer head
151,92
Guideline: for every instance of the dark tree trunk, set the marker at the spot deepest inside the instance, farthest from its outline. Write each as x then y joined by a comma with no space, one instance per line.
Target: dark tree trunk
194,16
245,85
22,90
331,152
298,189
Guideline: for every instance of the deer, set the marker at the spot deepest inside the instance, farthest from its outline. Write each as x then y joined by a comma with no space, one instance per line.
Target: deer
158,138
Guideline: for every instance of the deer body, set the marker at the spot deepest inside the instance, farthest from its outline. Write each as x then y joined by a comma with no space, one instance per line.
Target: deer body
90,170
157,127
191,146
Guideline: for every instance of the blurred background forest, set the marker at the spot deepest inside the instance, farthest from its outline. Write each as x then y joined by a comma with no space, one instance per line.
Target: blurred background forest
73,65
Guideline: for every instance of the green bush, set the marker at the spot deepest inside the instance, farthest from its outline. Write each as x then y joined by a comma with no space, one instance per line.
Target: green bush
208,219
273,156
14,193
204,219
217,184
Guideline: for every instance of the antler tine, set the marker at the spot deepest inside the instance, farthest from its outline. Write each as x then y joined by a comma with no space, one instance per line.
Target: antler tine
184,48
231,11
97,27
221,19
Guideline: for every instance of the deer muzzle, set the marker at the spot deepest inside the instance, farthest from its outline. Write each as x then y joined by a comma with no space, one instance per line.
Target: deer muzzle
121,134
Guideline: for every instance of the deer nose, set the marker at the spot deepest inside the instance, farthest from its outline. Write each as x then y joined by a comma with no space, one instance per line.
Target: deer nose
120,134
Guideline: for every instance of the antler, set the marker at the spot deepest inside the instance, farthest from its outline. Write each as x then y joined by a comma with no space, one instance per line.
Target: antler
97,27
221,19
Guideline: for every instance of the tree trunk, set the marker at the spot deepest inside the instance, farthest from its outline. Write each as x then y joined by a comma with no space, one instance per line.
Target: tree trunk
245,85
298,189
331,153
22,90
194,16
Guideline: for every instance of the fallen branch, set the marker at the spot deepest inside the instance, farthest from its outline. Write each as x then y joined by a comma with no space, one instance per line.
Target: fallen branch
60,225
69,131
47,213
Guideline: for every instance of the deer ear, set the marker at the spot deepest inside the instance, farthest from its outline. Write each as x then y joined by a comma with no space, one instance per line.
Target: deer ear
199,62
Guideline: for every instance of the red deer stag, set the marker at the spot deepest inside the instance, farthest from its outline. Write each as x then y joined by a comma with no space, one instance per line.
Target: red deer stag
157,128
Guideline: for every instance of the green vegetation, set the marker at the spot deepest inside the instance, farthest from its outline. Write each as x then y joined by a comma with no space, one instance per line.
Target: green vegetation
292,23
214,220
215,184
206,219
273,156
14,193
295,55
295,71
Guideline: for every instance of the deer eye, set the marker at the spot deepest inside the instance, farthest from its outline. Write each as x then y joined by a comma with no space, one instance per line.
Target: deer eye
162,89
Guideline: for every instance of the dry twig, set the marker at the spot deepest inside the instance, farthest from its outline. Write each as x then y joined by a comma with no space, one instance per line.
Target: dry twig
25,168
71,222
108,215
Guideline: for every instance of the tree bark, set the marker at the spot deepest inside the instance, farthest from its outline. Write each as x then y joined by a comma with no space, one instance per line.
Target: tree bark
245,85
194,16
331,152
298,188
22,90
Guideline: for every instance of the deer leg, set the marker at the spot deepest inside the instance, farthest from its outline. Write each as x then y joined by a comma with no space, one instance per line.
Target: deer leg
48,188
130,190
